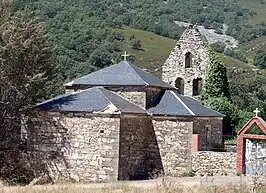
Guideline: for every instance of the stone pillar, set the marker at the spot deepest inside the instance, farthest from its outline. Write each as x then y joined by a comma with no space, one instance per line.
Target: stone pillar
195,143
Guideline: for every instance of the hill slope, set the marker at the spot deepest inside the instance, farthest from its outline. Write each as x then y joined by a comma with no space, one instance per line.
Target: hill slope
258,21
83,30
258,7
156,50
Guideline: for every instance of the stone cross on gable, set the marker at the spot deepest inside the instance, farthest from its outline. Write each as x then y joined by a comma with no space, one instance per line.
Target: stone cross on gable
257,112
125,55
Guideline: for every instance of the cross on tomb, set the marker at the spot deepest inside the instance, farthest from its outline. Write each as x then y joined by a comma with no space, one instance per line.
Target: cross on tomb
125,55
257,112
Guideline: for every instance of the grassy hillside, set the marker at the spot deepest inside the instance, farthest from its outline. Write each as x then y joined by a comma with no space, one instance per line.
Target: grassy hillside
255,45
81,49
231,62
257,6
156,50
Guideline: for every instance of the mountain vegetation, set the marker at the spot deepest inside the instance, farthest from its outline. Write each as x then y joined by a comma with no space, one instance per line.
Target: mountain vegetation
84,35
216,83
89,35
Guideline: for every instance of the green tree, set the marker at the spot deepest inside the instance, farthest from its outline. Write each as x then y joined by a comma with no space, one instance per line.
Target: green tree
135,44
26,69
218,47
216,82
260,60
215,92
223,105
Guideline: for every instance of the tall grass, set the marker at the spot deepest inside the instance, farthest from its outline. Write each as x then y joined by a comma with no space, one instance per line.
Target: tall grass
164,186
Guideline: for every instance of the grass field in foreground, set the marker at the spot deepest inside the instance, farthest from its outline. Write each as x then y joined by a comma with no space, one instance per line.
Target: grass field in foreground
165,187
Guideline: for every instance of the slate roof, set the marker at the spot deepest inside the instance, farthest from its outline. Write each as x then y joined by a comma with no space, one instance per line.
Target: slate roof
122,74
96,99
171,103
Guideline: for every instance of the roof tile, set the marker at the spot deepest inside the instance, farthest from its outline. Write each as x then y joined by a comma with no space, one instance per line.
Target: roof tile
96,99
171,103
122,74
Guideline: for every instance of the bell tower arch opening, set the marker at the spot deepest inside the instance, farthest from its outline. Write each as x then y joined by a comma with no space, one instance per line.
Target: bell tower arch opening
179,84
188,60
197,85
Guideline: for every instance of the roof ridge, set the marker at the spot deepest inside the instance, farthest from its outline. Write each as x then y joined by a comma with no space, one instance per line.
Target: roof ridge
90,73
189,110
99,88
147,73
137,72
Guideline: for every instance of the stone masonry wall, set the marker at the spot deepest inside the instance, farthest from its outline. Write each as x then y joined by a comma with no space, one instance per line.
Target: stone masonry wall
174,141
214,163
139,152
174,67
210,132
132,148
136,97
142,97
80,147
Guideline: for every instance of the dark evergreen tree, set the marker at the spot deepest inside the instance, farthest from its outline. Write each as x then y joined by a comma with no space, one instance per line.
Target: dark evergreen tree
26,72
216,81
260,60
215,92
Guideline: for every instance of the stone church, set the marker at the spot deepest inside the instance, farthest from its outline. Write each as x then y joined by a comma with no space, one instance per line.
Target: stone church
123,123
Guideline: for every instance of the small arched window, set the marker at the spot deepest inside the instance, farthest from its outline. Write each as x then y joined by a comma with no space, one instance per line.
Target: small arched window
197,85
179,84
188,60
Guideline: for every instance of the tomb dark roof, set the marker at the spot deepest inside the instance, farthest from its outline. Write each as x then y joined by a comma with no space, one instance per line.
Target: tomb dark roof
173,104
96,99
122,74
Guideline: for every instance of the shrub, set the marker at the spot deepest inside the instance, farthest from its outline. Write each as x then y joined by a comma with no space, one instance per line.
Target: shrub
189,174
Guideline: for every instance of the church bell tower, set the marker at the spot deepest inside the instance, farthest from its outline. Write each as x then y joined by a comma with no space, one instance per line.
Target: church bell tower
186,66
